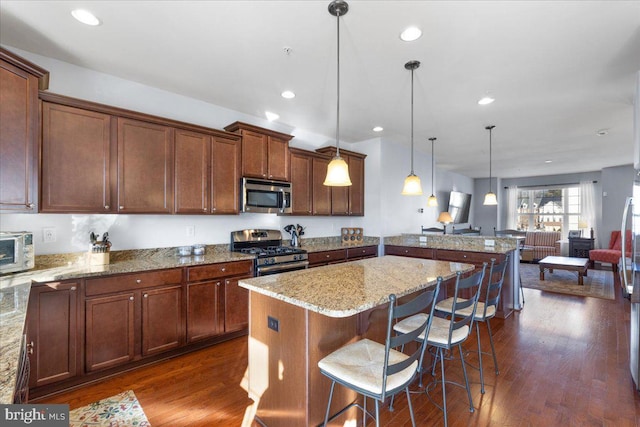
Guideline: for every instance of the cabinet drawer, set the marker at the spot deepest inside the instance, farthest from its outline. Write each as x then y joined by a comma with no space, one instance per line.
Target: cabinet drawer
327,256
359,252
224,269
468,257
127,282
409,251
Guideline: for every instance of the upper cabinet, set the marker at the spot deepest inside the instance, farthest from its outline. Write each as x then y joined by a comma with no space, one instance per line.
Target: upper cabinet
310,196
265,153
19,84
100,159
348,200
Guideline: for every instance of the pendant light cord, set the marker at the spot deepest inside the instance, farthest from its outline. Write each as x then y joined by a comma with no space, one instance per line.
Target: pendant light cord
490,127
412,122
432,165
338,88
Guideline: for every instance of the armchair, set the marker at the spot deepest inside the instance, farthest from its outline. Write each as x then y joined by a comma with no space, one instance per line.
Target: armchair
613,253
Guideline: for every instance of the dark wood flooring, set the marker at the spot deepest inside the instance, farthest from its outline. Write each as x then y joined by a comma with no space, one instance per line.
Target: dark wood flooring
564,361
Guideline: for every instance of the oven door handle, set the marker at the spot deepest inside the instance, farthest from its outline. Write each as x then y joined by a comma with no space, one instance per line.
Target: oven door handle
281,268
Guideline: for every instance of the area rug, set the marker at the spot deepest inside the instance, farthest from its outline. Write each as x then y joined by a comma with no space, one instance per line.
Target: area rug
597,283
116,411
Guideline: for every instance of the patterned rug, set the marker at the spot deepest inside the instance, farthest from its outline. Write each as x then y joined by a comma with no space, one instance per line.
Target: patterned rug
598,283
116,411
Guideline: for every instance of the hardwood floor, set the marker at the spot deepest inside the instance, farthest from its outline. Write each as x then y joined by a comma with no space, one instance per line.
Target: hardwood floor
564,361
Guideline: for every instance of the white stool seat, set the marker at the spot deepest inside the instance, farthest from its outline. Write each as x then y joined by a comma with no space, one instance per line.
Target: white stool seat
446,306
361,364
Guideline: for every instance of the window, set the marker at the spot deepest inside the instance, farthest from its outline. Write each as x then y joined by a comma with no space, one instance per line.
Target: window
549,209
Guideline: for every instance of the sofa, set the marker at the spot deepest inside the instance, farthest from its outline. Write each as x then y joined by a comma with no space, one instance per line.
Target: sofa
539,244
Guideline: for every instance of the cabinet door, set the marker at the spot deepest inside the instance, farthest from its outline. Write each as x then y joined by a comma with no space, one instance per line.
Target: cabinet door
203,319
110,330
301,184
18,139
254,154
53,336
321,192
145,167
225,176
191,168
340,200
236,306
356,190
76,160
278,159
162,319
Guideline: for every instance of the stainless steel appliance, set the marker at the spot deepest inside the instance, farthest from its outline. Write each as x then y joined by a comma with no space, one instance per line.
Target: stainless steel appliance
271,256
263,196
16,251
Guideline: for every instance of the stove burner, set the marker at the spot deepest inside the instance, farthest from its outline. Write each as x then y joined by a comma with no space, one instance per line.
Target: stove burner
272,250
270,256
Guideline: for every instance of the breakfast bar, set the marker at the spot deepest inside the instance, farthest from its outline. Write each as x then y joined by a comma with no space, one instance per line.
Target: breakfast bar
297,318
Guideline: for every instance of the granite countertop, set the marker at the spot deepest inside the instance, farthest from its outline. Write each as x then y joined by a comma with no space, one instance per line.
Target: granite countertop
501,245
342,290
320,244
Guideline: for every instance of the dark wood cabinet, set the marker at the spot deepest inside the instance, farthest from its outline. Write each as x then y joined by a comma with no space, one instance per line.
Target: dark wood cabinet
310,196
191,169
426,253
131,316
77,154
215,302
579,247
265,153
334,256
145,167
52,324
348,200
163,323
225,175
19,84
361,252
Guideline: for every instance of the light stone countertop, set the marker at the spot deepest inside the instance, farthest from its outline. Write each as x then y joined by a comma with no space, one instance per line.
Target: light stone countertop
342,290
320,244
456,242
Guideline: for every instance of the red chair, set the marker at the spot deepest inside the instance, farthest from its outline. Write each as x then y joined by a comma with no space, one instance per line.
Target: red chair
614,252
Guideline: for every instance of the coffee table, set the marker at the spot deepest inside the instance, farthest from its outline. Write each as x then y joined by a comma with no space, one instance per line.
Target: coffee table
564,263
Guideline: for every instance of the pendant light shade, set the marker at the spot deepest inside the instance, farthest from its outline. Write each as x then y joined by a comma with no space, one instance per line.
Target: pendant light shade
490,198
412,185
432,202
338,169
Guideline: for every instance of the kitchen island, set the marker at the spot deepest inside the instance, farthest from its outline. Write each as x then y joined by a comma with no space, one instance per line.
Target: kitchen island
297,318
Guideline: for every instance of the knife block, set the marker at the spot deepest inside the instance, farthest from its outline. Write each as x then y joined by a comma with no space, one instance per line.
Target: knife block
351,236
101,258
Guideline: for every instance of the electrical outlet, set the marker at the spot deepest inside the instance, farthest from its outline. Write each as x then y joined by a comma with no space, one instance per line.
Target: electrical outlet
273,323
191,230
489,242
422,239
49,234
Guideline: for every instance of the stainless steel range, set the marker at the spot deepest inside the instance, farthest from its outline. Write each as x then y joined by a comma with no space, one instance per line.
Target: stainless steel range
271,256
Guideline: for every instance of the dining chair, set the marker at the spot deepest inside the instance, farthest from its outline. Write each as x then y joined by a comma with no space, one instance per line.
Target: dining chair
377,370
447,333
485,311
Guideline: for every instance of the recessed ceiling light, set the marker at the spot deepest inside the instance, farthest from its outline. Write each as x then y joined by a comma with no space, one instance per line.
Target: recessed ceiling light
287,94
378,129
85,17
602,132
271,116
486,100
548,161
410,34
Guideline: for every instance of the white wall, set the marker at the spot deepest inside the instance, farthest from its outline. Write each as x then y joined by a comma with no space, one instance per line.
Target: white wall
386,166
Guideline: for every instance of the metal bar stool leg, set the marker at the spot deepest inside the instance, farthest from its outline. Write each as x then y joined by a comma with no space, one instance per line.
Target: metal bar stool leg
326,415
493,349
444,391
466,378
521,290
480,359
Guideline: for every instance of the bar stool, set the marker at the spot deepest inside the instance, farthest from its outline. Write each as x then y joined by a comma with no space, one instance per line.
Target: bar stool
485,311
378,370
445,334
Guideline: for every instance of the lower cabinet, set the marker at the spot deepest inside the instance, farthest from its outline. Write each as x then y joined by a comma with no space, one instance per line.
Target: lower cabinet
336,256
52,332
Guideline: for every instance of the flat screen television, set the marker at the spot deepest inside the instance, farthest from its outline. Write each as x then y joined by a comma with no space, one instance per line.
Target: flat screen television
459,204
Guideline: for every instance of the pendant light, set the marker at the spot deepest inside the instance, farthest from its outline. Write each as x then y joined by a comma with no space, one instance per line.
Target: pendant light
433,200
338,170
412,185
490,198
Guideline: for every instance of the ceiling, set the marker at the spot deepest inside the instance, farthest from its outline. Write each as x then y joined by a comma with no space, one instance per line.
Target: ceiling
559,70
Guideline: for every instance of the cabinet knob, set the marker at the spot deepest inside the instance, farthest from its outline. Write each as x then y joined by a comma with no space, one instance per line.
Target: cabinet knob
73,288
205,209
30,347
121,207
30,206
138,281
130,298
213,209
328,256
223,269
146,295
106,206
217,283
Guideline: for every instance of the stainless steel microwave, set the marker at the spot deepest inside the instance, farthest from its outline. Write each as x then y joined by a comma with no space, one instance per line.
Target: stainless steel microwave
16,251
263,196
